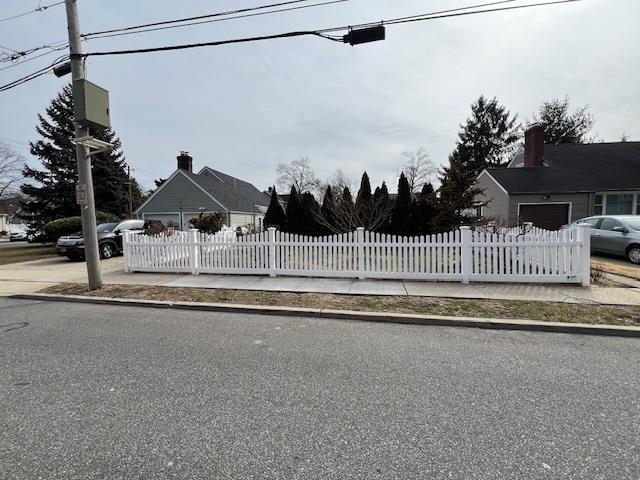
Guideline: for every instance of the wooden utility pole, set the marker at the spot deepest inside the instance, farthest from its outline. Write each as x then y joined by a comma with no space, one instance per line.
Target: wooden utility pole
85,180
130,200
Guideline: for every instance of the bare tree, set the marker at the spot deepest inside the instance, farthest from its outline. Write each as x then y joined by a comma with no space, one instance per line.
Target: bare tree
340,214
298,174
418,168
11,165
340,180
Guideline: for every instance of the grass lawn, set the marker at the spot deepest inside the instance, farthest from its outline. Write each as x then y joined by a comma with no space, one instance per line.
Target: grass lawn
26,253
510,309
630,271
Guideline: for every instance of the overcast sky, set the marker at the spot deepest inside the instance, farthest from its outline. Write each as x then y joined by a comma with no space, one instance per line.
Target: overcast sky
243,109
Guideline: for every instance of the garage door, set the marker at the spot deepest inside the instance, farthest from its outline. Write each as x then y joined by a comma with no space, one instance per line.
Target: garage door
550,216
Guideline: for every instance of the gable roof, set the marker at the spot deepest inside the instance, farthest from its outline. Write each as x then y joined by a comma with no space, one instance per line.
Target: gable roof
574,168
235,194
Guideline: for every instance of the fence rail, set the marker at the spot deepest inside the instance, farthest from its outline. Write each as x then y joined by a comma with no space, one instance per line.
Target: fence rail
535,256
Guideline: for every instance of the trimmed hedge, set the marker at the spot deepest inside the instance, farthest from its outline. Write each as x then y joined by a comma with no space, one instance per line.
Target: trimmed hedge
68,225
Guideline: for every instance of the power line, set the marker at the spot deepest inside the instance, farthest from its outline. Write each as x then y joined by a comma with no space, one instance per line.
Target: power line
322,33
34,75
436,16
224,19
168,25
199,17
318,33
40,8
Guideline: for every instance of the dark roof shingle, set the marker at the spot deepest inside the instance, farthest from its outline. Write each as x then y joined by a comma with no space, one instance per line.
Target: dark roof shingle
233,193
593,167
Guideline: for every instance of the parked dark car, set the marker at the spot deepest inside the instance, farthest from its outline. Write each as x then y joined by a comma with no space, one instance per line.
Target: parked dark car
615,234
109,240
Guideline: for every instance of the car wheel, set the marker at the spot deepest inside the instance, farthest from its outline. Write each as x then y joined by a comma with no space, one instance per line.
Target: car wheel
106,251
633,254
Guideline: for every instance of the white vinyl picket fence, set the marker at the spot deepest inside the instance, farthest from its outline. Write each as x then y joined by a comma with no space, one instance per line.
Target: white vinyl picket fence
537,256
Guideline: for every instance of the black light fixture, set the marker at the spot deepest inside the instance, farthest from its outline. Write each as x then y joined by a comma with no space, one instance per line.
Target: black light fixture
365,35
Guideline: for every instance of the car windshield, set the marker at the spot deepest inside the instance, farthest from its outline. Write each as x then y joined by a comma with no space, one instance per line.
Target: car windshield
106,227
634,223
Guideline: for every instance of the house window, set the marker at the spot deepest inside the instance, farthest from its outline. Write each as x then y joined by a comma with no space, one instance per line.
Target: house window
597,205
620,204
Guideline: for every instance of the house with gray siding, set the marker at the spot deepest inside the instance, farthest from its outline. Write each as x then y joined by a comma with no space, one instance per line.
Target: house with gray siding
552,185
185,194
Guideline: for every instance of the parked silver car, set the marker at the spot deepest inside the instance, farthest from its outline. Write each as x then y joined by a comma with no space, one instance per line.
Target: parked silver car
615,234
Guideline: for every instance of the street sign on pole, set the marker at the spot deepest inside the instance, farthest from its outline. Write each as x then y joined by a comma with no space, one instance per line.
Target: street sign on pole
81,194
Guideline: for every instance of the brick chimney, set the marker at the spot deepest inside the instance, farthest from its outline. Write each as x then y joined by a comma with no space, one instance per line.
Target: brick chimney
534,145
185,162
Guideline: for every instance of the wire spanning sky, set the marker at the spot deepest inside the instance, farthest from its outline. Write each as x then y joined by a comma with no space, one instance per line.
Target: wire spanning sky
244,108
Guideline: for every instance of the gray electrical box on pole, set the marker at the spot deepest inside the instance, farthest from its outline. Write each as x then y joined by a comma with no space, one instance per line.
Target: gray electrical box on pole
85,181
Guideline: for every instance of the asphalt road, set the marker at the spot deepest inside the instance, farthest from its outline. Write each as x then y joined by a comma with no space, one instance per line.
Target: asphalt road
117,392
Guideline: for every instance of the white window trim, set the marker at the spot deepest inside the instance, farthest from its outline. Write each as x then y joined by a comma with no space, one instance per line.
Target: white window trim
547,203
634,205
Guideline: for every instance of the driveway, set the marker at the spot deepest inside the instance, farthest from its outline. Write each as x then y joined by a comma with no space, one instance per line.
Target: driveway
27,277
90,391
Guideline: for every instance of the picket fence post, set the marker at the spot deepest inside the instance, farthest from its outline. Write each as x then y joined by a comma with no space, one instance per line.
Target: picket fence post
360,237
193,250
272,251
465,253
126,253
584,237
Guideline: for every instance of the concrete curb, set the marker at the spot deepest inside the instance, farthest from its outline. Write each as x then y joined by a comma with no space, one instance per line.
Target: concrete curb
402,318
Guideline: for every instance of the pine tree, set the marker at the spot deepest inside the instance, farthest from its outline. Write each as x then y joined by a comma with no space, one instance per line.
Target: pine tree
327,212
457,194
293,213
489,137
364,203
383,207
309,210
346,196
425,209
400,223
51,191
560,126
275,216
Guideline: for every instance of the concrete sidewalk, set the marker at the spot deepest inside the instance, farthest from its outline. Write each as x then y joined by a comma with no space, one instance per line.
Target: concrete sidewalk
29,277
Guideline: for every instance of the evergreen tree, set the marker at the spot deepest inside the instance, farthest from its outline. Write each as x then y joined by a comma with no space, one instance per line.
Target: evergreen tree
457,194
382,205
52,189
309,210
293,212
489,137
400,223
425,209
275,216
327,212
562,127
364,203
346,196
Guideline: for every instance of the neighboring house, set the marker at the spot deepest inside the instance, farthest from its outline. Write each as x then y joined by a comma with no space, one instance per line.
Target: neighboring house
552,185
185,194
10,219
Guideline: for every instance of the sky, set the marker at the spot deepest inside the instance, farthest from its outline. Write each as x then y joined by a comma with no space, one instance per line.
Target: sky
243,109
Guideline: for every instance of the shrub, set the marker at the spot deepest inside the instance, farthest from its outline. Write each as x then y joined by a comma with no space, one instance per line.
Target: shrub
68,225
3,233
155,228
208,222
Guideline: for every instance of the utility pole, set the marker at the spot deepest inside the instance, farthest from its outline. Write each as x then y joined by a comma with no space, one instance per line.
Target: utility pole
85,180
130,200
